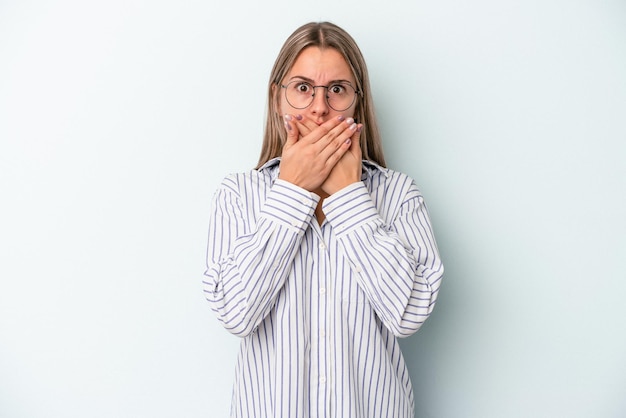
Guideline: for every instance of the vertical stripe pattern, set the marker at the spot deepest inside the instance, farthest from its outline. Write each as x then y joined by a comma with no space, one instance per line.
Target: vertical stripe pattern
319,308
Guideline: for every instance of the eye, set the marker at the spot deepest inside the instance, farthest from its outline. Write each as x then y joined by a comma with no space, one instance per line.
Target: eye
303,88
337,89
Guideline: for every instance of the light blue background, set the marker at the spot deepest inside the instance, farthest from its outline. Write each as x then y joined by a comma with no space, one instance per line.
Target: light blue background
119,118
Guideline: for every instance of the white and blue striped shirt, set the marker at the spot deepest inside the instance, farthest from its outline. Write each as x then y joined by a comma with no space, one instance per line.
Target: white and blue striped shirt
319,308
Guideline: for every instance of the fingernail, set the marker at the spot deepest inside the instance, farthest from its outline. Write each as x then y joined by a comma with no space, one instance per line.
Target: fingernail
348,141
287,126
299,117
353,127
287,117
340,118
349,121
360,128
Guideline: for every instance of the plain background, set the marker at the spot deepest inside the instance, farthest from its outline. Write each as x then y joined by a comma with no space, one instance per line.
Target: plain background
118,119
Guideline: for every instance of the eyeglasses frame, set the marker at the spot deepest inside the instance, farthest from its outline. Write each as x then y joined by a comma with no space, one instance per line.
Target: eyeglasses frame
356,93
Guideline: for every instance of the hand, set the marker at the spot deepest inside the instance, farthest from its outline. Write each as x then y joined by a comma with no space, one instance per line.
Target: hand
308,159
348,169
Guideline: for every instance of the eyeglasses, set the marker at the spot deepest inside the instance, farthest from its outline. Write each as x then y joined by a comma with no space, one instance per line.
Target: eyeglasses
339,96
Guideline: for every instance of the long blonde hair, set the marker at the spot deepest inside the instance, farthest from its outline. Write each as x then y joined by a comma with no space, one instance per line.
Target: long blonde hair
322,35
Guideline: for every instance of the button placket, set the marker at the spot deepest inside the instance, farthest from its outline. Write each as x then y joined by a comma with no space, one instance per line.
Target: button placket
323,295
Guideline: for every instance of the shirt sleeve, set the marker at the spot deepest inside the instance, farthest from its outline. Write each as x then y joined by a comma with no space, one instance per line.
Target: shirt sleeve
397,264
248,260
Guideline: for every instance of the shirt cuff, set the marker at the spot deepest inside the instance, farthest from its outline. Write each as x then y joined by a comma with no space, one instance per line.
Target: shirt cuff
290,205
349,208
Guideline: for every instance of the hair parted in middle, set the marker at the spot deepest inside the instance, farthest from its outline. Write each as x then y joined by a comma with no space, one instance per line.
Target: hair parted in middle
322,35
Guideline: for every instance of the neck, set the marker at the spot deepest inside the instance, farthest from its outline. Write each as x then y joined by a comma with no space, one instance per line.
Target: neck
318,210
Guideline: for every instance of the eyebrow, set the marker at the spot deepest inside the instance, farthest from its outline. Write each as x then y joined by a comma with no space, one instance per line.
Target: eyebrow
312,82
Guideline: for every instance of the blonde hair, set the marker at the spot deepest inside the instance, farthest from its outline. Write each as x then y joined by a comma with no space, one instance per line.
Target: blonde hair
322,35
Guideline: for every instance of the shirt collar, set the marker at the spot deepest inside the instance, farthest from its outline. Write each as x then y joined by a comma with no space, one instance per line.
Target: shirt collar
370,168
271,163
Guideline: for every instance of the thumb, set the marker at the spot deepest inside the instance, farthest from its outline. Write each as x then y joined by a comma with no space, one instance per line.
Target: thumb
292,130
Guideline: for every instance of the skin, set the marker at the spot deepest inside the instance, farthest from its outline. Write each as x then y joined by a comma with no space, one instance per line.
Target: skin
322,152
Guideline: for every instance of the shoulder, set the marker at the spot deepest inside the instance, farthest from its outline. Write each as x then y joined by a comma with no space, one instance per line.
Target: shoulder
394,184
391,191
244,182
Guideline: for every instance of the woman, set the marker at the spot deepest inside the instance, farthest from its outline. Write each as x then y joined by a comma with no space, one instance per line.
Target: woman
321,257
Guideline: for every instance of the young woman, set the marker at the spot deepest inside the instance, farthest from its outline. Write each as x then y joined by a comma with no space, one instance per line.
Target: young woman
320,258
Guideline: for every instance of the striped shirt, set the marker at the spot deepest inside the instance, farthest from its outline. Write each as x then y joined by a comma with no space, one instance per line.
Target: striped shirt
319,307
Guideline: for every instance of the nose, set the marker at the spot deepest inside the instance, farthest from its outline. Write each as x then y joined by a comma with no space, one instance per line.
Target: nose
319,107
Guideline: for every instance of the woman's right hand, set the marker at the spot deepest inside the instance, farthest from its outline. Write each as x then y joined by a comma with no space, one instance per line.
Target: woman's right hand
307,160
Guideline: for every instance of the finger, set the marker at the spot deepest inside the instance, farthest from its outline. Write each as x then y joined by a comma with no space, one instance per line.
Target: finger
292,130
329,130
343,139
305,125
342,132
335,153
356,140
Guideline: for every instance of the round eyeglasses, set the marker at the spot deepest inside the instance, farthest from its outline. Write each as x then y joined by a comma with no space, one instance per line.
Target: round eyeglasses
339,96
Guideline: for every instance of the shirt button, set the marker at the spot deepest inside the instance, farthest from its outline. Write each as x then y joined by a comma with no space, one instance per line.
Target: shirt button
304,201
322,290
322,333
294,223
322,380
322,246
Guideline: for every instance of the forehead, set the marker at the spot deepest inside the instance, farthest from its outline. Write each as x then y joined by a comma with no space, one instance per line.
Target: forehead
321,65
